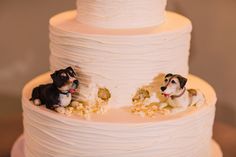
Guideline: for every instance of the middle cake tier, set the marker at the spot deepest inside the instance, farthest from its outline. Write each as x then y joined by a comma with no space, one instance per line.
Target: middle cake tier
120,60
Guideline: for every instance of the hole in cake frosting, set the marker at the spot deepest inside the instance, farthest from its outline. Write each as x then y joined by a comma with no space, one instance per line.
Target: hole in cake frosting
148,101
104,94
98,105
141,95
145,102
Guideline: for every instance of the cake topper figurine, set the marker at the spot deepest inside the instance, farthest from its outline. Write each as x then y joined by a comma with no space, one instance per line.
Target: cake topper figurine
178,97
57,95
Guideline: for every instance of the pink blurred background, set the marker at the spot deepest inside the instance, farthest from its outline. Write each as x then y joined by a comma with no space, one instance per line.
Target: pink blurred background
24,54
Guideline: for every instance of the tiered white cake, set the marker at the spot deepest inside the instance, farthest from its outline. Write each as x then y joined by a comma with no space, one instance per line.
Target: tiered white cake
121,60
121,45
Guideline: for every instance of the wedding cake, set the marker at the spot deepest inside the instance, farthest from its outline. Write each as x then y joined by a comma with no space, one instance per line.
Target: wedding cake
121,50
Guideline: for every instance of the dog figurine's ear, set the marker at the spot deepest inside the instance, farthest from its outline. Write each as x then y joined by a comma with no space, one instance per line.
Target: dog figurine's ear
71,71
182,81
56,79
54,75
168,75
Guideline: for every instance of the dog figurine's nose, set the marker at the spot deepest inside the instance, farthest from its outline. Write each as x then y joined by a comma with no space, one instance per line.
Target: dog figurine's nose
76,83
163,88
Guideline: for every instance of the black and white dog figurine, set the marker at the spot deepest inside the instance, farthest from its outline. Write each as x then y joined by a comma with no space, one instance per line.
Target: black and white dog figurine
56,95
178,96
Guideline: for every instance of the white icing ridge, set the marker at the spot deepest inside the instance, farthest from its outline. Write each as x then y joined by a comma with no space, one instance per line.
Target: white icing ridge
119,61
121,13
186,134
18,148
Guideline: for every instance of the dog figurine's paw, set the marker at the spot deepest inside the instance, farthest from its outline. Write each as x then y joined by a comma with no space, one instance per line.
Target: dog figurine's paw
61,110
162,105
37,102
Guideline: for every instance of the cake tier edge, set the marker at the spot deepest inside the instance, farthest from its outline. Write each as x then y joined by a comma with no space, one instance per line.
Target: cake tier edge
66,22
18,148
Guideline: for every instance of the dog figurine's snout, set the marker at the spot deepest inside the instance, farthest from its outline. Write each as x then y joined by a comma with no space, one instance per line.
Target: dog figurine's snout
76,83
163,88
71,80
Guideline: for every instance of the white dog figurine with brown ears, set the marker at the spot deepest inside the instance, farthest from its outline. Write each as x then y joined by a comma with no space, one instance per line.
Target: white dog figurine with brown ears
178,96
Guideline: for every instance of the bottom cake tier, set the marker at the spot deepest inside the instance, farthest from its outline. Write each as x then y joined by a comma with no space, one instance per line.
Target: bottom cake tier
18,148
118,132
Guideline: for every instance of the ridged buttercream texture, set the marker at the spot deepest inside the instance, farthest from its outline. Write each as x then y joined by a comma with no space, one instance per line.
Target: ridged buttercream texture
49,134
121,13
121,63
52,137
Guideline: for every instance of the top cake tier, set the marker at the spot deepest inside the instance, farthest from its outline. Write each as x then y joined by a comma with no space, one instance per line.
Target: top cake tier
119,14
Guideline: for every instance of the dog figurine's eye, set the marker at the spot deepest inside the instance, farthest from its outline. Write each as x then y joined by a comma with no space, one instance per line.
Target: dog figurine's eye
63,74
72,73
166,80
173,81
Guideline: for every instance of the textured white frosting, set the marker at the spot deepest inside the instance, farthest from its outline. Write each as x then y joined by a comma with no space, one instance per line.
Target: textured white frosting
120,60
18,148
121,13
119,133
